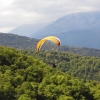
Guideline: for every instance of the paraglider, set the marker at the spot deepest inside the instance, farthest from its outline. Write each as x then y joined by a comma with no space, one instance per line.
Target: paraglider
51,38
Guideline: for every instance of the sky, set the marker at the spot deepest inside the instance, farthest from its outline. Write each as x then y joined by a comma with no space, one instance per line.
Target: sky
14,13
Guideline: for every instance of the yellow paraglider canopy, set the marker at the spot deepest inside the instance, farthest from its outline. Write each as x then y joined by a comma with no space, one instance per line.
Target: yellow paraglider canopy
51,38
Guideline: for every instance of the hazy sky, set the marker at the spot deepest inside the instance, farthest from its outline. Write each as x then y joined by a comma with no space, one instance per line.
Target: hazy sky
18,12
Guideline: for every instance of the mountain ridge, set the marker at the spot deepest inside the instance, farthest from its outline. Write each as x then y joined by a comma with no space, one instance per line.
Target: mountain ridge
28,29
74,28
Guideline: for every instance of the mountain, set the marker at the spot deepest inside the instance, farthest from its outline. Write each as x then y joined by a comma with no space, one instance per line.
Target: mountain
28,29
78,29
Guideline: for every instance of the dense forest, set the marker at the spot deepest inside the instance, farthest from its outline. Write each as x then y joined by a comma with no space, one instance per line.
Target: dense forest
86,67
24,77
26,43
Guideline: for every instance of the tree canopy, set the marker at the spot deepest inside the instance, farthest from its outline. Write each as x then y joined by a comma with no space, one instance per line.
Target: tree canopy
23,77
87,67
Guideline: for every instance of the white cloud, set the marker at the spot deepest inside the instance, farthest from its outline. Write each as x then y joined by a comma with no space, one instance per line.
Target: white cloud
17,12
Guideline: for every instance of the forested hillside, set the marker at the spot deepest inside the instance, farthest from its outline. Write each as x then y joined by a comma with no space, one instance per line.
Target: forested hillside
26,43
24,77
16,41
86,67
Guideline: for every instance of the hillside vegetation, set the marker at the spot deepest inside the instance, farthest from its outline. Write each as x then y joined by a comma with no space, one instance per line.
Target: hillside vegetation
27,78
86,67
16,41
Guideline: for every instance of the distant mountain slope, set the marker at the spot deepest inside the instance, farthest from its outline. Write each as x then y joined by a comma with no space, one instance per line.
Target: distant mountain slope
28,29
81,38
79,29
